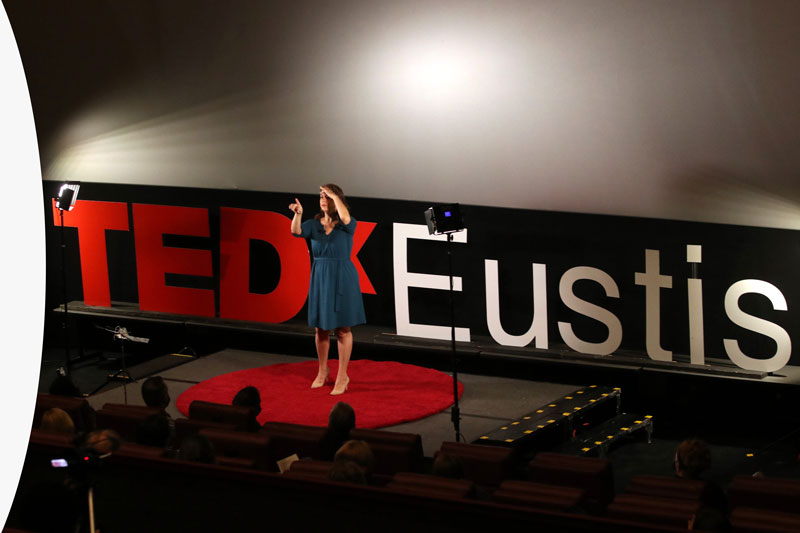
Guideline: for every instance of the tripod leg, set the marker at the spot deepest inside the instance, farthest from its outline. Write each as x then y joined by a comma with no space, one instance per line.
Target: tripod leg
91,510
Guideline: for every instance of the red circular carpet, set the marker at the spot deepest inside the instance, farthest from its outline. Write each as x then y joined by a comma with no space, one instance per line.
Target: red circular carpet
382,393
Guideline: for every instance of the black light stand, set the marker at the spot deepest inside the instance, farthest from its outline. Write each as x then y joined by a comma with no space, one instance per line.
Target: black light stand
122,374
65,201
446,219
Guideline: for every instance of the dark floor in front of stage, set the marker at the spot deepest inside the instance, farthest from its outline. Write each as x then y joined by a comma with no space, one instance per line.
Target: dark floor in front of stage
487,403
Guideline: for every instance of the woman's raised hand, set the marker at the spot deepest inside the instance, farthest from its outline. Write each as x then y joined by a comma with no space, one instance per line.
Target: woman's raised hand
328,193
296,207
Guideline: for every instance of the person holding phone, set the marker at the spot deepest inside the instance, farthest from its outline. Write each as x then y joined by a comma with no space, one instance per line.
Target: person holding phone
334,295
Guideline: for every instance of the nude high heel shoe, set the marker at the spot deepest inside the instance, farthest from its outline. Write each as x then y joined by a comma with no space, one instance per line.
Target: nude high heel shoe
337,390
320,380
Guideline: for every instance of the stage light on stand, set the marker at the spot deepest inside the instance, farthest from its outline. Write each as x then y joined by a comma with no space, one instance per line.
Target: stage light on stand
446,219
67,196
65,201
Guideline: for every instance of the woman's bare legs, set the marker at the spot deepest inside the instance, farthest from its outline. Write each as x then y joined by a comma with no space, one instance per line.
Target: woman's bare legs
344,339
323,341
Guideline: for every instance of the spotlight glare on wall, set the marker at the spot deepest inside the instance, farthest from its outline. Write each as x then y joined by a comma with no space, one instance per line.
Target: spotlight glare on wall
422,72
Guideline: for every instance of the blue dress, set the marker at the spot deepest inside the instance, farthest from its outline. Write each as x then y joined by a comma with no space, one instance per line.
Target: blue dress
334,293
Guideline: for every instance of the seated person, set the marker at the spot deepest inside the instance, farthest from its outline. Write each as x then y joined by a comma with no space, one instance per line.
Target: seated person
64,386
692,459
57,420
198,449
341,420
155,392
103,442
249,397
358,452
155,431
447,466
347,472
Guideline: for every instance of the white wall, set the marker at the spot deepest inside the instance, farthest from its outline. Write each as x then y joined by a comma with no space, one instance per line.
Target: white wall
662,108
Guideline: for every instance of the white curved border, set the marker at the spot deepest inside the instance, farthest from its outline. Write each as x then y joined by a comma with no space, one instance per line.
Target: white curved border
22,269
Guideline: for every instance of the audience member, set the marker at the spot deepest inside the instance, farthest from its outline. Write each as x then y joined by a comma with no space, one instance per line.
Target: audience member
64,386
249,397
360,453
341,420
57,420
154,431
445,465
198,449
692,459
155,392
347,472
103,442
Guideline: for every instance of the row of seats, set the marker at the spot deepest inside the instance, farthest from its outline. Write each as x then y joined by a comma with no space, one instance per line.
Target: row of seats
666,501
531,495
758,504
525,493
582,482
82,414
408,498
237,438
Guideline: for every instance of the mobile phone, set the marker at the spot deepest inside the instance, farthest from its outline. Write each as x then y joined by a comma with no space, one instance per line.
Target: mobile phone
58,463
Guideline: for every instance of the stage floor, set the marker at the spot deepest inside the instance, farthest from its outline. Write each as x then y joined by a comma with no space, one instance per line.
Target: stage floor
488,402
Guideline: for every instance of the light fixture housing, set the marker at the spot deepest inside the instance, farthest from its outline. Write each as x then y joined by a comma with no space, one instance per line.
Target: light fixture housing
67,195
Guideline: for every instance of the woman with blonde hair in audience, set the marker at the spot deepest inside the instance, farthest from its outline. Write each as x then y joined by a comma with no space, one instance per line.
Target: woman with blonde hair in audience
57,420
359,452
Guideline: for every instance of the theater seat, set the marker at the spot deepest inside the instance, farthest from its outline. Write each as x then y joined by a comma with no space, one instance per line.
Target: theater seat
430,486
185,427
651,509
48,440
124,419
82,414
485,465
309,469
539,495
752,520
780,495
667,487
140,450
287,439
394,452
241,417
590,473
250,448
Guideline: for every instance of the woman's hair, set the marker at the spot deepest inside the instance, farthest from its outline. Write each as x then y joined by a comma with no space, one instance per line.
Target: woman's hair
692,457
198,449
359,452
347,472
447,466
102,441
58,420
342,418
154,431
331,205
248,397
155,392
